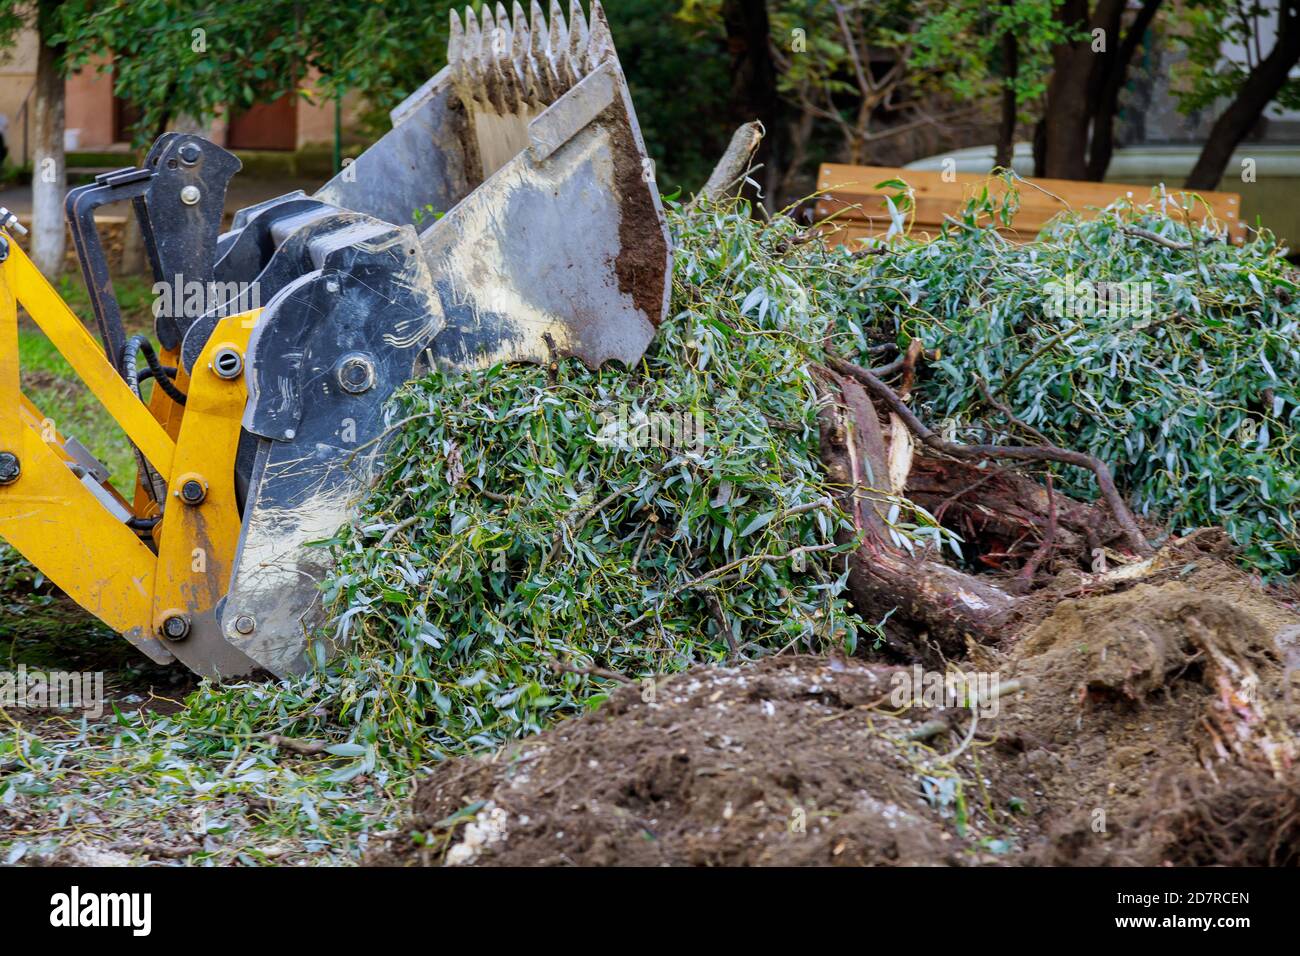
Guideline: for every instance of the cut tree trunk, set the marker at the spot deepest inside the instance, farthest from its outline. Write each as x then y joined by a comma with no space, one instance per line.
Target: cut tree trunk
949,606
49,175
731,168
1010,523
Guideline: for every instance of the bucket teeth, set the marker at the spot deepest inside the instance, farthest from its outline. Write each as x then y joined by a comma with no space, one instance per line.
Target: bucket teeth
519,56
577,35
543,78
455,43
558,49
517,63
468,79
490,75
600,44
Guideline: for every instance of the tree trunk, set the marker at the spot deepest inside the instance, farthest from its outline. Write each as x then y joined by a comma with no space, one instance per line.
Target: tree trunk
1111,85
754,94
800,132
1074,93
1007,128
49,174
1255,94
1040,148
1066,113
133,261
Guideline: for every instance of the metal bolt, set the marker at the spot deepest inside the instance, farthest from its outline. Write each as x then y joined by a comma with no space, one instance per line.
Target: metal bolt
331,285
244,624
190,195
288,434
10,221
356,373
189,154
227,363
10,468
193,492
176,627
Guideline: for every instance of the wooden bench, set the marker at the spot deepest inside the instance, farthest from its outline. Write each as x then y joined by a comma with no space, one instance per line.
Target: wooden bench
850,195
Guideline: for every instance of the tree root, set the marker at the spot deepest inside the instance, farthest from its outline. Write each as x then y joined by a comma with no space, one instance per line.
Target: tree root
950,605
1105,482
1030,525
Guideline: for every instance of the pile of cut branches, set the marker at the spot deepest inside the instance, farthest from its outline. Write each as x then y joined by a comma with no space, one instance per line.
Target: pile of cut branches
1185,382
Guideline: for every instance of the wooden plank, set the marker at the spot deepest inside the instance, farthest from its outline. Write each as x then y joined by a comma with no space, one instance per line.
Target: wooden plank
850,194
862,180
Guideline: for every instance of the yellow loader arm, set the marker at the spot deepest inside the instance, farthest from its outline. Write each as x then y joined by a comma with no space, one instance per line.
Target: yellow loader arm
58,509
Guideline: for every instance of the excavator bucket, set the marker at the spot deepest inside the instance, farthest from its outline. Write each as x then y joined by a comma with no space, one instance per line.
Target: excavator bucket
510,215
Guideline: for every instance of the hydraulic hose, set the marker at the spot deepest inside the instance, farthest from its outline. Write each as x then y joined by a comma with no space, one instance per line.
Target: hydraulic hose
140,344
152,481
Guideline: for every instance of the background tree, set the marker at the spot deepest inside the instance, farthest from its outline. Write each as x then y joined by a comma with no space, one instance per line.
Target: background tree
1091,55
49,176
183,63
985,51
179,58
830,79
1249,81
849,74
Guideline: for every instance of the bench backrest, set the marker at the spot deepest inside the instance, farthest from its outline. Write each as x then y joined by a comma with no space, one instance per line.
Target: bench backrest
851,196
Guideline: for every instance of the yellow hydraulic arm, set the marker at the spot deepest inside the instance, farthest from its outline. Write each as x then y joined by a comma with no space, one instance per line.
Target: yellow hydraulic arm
150,581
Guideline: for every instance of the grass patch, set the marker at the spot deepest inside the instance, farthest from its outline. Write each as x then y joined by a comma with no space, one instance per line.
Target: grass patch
49,381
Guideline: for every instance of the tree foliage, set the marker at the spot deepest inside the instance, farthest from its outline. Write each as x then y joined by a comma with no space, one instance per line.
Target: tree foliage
1224,42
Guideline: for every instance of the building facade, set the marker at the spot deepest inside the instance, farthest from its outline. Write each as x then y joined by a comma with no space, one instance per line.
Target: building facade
98,121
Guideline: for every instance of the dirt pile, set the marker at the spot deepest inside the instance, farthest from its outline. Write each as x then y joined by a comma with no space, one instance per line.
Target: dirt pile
1160,721
1154,725
789,761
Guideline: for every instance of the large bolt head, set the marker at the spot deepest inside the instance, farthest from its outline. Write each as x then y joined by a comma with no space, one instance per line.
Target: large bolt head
176,627
356,373
190,195
227,363
193,492
10,468
244,624
189,153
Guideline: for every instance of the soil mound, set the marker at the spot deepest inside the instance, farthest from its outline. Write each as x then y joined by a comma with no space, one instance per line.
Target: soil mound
1145,727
